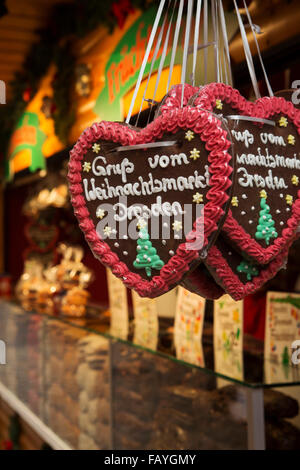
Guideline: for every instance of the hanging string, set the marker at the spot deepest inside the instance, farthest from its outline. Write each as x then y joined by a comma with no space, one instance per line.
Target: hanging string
258,50
205,39
145,60
162,61
186,46
196,39
216,49
226,44
175,42
158,43
247,52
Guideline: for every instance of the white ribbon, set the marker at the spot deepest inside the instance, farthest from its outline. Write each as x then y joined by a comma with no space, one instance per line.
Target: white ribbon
162,60
165,143
152,63
175,42
237,117
196,39
216,39
205,39
226,45
247,52
145,60
253,28
186,46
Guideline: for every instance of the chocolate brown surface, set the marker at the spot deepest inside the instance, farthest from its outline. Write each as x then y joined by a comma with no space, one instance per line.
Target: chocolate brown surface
142,169
247,210
233,258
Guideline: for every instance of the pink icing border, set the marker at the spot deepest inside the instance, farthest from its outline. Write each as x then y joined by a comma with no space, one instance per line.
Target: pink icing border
264,108
173,97
220,269
210,131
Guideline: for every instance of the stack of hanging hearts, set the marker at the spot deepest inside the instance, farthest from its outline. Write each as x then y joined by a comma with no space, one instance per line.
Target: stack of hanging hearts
206,196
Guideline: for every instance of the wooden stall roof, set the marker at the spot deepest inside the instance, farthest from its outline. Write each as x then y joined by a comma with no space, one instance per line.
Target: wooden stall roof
18,31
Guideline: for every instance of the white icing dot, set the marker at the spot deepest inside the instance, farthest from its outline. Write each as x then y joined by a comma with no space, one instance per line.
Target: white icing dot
263,231
277,211
139,248
145,256
125,237
124,278
176,236
116,245
165,224
253,207
281,223
250,221
145,208
281,195
267,228
243,212
288,209
171,252
149,259
146,248
244,196
229,252
264,217
164,242
125,253
137,260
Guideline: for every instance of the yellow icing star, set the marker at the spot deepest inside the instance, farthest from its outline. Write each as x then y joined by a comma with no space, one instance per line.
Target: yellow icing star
197,198
263,194
283,122
96,148
219,104
86,166
107,231
177,226
189,135
291,139
295,180
234,201
100,213
289,199
195,154
141,223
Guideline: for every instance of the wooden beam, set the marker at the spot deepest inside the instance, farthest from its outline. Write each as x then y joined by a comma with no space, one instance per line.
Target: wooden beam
18,35
12,58
1,229
8,46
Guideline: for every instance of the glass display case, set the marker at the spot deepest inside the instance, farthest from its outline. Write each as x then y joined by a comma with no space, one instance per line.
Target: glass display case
82,388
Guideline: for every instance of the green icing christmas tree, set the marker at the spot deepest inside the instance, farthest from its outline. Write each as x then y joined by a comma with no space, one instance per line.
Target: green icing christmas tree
147,257
266,225
248,269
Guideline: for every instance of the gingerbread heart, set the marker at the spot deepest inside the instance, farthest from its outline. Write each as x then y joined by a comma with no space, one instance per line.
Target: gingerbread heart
202,283
236,275
137,194
172,99
265,207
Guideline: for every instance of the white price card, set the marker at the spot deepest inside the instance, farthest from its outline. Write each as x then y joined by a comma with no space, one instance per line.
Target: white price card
281,331
117,293
228,337
145,321
188,327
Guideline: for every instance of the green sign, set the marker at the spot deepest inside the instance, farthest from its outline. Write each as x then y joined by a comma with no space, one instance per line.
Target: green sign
27,136
123,67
